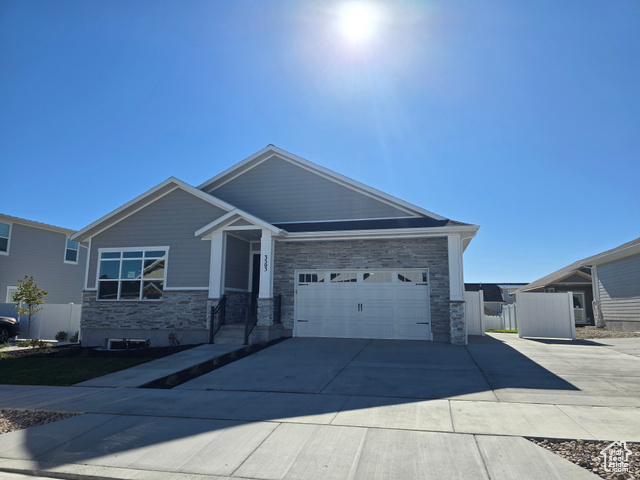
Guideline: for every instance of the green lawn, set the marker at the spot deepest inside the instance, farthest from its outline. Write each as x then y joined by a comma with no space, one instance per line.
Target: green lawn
68,366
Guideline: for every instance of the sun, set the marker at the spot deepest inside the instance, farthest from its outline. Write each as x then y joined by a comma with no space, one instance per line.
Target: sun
357,22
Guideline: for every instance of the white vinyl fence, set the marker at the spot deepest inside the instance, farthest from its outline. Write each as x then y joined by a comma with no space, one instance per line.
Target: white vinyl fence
47,322
474,312
493,322
509,317
545,315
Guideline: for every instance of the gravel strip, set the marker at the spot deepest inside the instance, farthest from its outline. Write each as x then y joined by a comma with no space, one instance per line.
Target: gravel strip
586,454
585,333
11,420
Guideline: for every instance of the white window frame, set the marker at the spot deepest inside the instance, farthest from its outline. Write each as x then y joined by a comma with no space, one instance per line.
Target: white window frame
8,238
11,289
119,280
64,258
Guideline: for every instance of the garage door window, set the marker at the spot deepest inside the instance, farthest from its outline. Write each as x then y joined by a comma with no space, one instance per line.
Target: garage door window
311,278
377,277
346,277
413,277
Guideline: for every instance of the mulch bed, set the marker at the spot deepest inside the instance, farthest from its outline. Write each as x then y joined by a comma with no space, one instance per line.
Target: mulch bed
586,333
11,420
586,454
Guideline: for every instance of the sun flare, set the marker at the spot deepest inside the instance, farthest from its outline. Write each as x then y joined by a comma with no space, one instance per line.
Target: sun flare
357,22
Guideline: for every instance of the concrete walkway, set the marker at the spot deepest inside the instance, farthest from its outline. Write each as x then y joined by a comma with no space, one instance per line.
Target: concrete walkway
162,367
342,409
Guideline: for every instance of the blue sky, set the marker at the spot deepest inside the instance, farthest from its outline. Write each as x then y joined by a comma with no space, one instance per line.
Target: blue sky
521,117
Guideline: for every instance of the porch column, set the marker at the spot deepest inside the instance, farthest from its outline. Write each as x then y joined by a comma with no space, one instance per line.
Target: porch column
266,265
216,267
265,298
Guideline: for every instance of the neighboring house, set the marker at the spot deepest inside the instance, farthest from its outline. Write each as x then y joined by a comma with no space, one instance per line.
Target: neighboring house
616,286
492,296
508,290
45,252
341,258
613,275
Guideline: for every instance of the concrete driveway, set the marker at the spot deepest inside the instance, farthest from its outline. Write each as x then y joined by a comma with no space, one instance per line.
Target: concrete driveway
330,408
498,367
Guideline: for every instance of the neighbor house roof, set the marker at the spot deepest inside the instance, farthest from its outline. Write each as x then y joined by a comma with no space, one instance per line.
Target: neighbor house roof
582,267
32,223
491,292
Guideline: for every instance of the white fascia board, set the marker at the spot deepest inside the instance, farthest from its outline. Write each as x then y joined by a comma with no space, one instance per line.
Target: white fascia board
232,216
382,234
34,224
610,257
325,172
94,228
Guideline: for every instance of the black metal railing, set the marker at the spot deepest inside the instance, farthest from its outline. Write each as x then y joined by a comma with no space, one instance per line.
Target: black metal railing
250,322
217,312
277,309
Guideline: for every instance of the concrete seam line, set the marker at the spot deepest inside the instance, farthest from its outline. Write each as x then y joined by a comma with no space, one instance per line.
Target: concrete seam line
453,427
255,449
559,407
481,371
348,363
484,464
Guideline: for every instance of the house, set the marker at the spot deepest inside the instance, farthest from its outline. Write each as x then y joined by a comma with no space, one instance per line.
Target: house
45,252
317,253
575,278
616,287
492,296
605,286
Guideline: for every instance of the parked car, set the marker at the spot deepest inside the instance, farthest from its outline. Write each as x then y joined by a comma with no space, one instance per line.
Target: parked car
9,327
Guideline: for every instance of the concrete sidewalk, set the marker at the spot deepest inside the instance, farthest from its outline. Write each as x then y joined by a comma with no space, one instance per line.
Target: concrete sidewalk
162,367
137,447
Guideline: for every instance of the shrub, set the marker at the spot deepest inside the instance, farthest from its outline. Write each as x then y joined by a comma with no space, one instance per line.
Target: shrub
37,343
74,338
24,343
173,339
61,336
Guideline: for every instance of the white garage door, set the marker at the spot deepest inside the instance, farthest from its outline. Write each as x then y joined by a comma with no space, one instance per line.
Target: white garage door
363,304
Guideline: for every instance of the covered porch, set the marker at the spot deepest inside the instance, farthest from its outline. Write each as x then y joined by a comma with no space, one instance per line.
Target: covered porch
241,303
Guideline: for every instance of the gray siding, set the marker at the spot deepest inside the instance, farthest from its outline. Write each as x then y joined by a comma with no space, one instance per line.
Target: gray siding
619,290
38,252
170,221
278,191
236,273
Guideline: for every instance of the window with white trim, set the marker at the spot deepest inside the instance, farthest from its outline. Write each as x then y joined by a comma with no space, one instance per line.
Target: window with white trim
71,251
131,274
5,233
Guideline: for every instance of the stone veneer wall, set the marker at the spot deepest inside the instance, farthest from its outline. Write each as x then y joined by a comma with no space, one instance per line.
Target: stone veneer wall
458,325
431,253
179,311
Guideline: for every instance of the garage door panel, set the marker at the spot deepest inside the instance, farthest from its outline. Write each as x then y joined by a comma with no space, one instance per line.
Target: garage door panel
376,305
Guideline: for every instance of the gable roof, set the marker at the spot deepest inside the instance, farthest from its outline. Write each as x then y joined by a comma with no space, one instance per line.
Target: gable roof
271,150
232,217
142,201
582,266
33,223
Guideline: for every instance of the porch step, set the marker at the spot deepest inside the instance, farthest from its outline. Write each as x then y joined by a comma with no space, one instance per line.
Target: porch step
230,335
